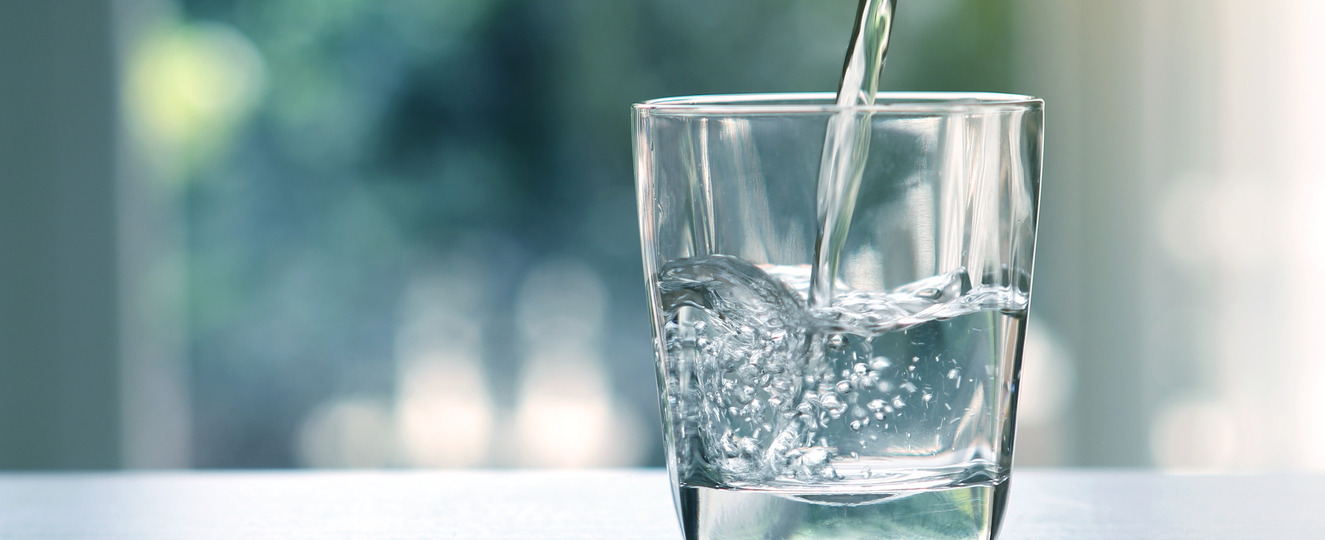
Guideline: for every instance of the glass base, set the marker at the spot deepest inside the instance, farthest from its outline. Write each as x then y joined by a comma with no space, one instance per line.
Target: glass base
970,512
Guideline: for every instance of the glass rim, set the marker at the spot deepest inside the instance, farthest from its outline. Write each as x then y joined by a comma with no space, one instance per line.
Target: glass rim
824,102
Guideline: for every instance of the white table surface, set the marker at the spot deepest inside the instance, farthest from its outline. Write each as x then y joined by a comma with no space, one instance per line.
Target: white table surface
622,504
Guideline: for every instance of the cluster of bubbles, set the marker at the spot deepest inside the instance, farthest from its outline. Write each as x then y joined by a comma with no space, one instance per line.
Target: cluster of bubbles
769,389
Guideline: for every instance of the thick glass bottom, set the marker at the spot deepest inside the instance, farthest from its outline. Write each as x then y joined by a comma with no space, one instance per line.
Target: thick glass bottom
968,512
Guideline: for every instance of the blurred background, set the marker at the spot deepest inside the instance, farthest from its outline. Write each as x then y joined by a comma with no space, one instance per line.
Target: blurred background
362,233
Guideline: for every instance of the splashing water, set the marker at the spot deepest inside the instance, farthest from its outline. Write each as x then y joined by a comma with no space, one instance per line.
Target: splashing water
767,391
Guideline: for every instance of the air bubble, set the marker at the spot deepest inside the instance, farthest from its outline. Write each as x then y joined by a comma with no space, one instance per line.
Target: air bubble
829,400
729,447
860,368
834,406
879,363
843,387
856,425
813,461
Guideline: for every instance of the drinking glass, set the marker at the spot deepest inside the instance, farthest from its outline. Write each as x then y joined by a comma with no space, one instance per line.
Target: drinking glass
839,359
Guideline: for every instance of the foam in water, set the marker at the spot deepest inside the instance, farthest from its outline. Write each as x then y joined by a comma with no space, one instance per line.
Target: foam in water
878,397
886,389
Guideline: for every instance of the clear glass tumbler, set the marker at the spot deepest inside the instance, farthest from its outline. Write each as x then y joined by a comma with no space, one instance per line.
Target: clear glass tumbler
839,361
